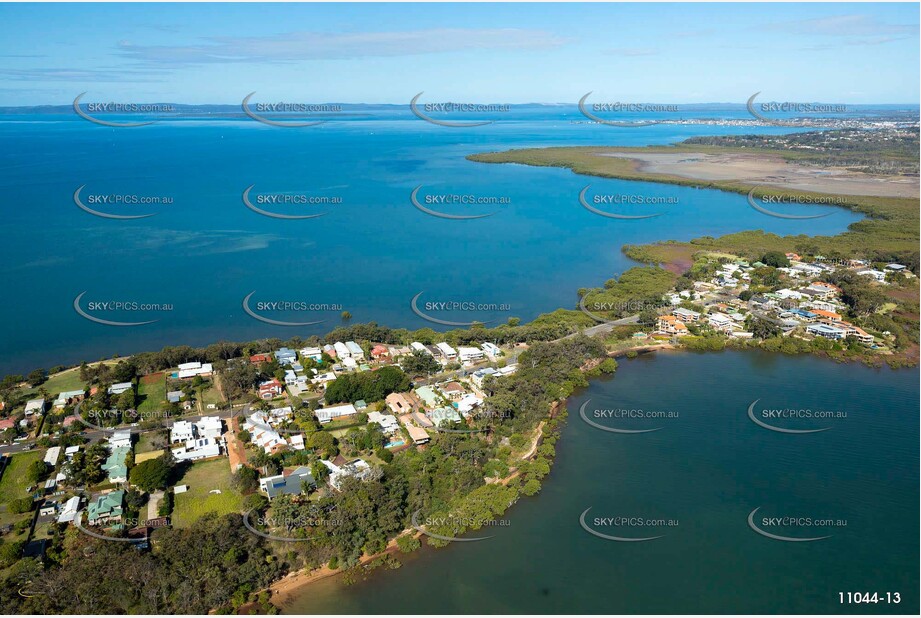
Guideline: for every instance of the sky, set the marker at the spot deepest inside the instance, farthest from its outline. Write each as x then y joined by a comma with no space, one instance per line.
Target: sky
499,53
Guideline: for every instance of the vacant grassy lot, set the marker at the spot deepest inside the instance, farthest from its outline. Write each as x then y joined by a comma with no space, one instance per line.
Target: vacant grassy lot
13,484
152,391
201,478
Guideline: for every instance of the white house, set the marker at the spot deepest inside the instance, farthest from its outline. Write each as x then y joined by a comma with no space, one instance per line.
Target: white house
447,351
314,353
199,448
121,387
182,431
415,345
878,275
686,315
35,406
190,370
341,350
720,322
358,468
120,439
355,350
69,512
52,455
469,354
491,349
325,415
387,422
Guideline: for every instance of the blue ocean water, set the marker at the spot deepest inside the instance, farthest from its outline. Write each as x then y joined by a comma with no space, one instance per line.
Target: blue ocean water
370,254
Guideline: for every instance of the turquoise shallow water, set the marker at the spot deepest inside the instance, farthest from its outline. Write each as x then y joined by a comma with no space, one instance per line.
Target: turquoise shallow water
707,470
203,253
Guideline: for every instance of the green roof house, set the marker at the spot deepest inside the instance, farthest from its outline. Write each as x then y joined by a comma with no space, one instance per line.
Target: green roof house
115,465
106,508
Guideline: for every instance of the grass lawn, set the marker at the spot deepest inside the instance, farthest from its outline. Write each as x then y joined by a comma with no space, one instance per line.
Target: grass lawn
201,478
13,484
145,444
210,395
152,391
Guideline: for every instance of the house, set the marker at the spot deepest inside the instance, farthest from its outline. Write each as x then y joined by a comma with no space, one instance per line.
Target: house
199,448
52,455
388,422
802,314
69,398
209,427
312,353
270,389
467,354
285,356
380,352
106,509
686,315
361,404
402,403
182,431
70,510
293,483
468,403
429,396
7,423
452,390
480,375
446,351
417,434
120,439
831,316
508,370
446,415
341,350
491,349
878,275
786,294
174,396
418,347
357,468
35,406
116,465
121,387
826,330
895,267
325,415
720,322
191,370
670,325
355,350
855,331
258,359
291,378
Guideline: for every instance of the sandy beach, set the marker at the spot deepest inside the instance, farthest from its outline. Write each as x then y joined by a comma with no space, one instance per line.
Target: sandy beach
772,171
